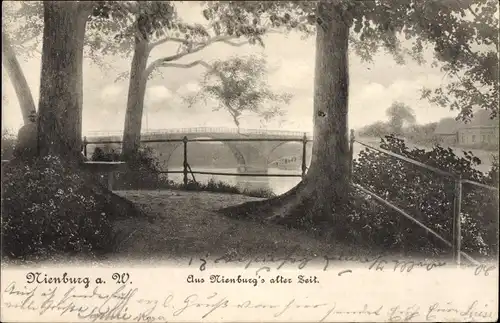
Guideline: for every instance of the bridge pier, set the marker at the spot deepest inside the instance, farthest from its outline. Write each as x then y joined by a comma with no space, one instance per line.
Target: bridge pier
253,183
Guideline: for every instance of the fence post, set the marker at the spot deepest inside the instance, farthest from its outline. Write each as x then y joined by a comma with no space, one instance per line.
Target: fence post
185,141
457,230
85,146
351,153
304,144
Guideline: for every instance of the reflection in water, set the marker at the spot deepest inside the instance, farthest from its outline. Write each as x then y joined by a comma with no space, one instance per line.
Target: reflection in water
278,185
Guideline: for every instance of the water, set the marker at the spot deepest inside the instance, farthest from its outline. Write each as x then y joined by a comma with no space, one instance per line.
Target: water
278,185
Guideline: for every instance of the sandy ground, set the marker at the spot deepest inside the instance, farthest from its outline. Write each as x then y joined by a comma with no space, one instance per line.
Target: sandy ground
186,223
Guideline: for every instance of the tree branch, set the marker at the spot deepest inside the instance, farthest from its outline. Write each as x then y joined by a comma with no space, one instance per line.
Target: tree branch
161,61
184,41
167,39
188,65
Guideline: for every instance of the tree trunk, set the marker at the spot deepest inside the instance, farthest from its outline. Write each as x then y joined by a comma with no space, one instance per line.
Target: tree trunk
330,154
136,94
324,190
61,85
16,74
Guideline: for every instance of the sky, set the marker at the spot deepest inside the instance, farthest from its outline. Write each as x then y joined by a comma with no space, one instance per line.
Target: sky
373,87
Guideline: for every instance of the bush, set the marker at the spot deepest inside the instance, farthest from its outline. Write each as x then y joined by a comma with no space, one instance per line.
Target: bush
8,144
144,173
47,208
426,196
221,187
143,170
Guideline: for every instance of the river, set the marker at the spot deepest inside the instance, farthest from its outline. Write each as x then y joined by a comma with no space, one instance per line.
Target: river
281,185
278,185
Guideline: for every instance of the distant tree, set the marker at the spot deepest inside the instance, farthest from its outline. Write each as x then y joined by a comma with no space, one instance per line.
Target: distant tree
422,134
376,129
238,85
400,115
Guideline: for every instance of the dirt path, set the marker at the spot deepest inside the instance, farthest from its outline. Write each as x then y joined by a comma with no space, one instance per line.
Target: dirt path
186,224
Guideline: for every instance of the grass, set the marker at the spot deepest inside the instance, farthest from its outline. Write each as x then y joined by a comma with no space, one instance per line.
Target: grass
187,224
211,186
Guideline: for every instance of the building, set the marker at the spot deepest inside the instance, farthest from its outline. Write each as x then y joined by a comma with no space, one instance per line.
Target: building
480,132
478,136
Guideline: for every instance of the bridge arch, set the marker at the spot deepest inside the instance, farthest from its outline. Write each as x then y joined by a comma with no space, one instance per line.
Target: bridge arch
236,153
279,145
251,156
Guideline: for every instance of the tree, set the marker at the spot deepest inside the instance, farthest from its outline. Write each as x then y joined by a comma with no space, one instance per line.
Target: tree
377,129
156,23
25,41
238,85
324,190
15,72
399,114
24,20
423,134
469,56
61,86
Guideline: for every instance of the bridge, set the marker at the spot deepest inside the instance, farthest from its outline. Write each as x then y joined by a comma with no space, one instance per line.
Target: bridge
251,148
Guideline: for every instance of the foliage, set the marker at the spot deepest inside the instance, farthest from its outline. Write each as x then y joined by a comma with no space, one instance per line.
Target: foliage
377,129
239,85
144,174
23,21
8,144
426,196
416,134
422,134
47,209
400,115
462,33
468,54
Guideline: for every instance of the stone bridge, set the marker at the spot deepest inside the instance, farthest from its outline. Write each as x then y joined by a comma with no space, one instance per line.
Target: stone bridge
252,156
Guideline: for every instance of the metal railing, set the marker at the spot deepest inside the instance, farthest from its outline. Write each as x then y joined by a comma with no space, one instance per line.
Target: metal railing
457,203
187,168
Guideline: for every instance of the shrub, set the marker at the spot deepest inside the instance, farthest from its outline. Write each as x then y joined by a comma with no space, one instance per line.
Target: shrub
8,144
221,187
47,209
144,173
426,196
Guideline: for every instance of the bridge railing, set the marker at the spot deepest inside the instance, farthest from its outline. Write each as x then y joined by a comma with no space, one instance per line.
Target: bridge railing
214,130
457,203
185,140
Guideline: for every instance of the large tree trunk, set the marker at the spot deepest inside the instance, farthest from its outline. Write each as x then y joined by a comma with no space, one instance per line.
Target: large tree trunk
136,94
61,85
324,191
16,74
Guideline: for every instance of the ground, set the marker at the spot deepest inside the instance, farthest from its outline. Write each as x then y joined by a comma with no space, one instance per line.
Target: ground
186,223
178,225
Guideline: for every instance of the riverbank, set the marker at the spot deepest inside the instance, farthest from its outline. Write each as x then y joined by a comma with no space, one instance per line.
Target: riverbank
486,156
